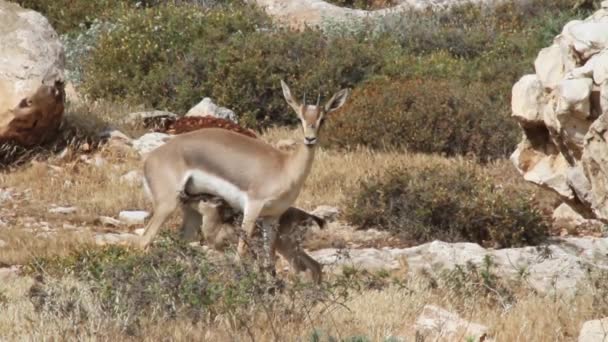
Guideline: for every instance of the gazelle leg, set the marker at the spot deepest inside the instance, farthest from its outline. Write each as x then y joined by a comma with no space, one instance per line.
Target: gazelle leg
161,212
250,215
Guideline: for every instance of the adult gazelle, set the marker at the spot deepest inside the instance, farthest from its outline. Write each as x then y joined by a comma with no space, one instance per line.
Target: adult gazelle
249,174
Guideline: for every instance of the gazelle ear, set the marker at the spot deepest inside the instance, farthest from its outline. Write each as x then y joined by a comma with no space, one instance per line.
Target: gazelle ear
336,101
289,98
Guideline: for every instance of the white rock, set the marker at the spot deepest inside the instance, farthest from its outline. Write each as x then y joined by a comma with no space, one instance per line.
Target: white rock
600,67
550,67
114,239
573,97
3,244
326,212
527,99
594,331
63,210
109,221
133,217
207,108
564,215
589,37
439,324
140,231
559,267
150,141
6,195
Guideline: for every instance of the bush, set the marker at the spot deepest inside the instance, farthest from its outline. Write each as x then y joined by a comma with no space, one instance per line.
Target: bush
447,200
71,15
426,116
169,57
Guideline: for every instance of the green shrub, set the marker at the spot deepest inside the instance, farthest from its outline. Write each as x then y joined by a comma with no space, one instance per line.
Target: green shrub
71,15
447,200
426,116
171,56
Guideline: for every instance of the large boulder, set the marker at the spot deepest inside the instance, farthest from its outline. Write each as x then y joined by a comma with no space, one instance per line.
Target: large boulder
31,75
563,112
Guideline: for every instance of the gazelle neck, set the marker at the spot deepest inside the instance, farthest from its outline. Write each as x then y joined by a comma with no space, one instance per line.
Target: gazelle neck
300,163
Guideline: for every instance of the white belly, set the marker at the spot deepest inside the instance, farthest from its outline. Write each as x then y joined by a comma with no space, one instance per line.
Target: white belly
202,182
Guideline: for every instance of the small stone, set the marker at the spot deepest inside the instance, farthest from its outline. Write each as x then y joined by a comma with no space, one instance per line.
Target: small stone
140,231
594,331
438,323
150,141
207,108
109,221
3,244
326,212
63,210
114,239
133,217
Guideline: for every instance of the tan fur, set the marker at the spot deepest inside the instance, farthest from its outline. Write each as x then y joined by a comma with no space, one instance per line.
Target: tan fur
267,179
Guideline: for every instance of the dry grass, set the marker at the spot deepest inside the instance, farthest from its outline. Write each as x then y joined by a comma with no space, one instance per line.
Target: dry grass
393,314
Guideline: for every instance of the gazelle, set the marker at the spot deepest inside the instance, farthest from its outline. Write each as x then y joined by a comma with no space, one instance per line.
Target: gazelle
250,175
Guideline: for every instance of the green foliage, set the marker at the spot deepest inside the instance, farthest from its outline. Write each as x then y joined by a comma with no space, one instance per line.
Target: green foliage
69,15
450,201
171,56
426,116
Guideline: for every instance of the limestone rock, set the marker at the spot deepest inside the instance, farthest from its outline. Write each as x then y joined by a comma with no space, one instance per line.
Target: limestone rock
550,67
207,108
30,53
595,164
326,212
527,100
441,325
556,268
109,221
149,141
565,151
589,37
594,331
63,210
133,217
